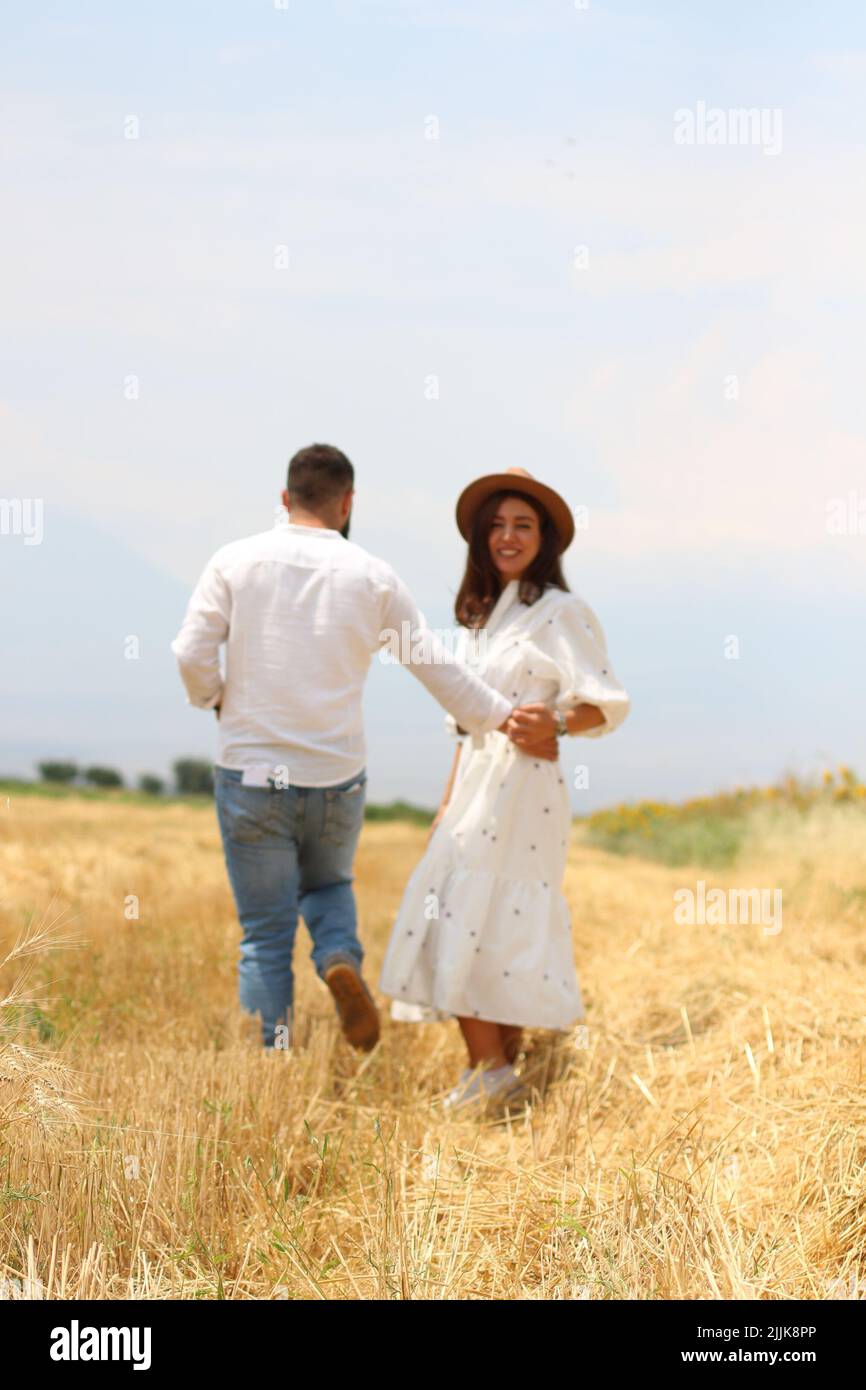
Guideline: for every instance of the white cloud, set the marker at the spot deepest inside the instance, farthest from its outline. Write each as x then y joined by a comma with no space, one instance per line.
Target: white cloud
740,479
167,246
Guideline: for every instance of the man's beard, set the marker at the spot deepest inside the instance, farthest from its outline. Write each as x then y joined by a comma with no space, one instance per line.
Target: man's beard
345,530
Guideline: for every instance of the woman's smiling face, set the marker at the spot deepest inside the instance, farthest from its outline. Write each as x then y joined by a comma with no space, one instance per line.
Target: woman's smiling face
514,538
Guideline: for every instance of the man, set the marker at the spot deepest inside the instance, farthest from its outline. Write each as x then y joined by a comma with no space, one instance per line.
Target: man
301,610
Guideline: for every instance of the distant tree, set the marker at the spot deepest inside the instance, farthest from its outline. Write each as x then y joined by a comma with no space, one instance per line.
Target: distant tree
103,777
193,777
154,786
57,771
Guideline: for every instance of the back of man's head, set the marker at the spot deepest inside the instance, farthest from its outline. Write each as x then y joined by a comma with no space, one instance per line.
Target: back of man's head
320,479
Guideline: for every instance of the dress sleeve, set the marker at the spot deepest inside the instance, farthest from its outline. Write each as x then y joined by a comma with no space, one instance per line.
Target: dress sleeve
461,652
579,648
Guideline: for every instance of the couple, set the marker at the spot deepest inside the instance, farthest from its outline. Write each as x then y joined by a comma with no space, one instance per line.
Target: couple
483,931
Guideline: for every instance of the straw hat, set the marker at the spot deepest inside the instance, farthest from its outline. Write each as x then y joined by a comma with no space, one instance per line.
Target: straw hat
515,480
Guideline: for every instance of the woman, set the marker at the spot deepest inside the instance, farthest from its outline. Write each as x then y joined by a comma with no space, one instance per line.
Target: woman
483,931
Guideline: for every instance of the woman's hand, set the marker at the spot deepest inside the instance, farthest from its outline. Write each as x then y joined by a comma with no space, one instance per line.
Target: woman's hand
530,725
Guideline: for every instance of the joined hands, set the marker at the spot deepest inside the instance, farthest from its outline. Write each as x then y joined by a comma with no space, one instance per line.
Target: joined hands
532,729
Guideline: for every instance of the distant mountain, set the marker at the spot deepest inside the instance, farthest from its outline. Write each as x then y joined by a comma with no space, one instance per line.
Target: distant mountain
68,609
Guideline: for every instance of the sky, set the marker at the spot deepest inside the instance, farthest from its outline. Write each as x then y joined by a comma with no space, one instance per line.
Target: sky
450,239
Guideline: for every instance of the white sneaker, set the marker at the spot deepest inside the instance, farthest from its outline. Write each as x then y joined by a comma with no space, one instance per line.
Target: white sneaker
479,1086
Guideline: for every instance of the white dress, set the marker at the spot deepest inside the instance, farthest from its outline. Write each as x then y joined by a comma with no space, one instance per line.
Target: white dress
483,930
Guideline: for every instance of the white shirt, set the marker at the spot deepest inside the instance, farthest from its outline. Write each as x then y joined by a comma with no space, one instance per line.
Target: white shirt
301,611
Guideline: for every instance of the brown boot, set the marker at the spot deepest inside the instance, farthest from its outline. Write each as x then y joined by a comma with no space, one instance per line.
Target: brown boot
359,1017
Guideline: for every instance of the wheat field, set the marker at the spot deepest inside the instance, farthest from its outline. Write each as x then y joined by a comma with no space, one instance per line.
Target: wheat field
701,1138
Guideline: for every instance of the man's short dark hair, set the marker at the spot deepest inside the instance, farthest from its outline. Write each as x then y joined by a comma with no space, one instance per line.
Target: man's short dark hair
318,475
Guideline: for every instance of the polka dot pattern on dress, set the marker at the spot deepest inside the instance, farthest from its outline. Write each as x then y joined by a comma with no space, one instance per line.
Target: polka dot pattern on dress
504,890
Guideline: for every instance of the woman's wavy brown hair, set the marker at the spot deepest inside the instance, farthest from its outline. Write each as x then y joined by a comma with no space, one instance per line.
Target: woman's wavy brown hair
481,585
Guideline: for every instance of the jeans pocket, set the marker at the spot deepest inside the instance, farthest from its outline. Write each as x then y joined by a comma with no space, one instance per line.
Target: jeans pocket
344,810
247,815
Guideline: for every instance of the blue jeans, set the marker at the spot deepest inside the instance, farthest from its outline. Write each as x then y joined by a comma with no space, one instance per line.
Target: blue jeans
287,851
